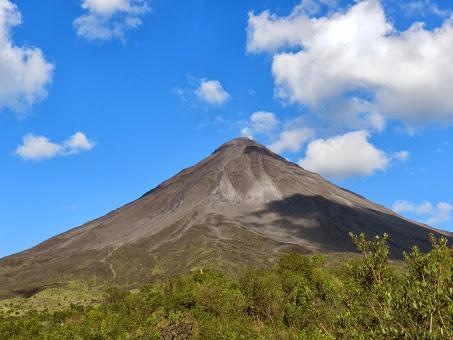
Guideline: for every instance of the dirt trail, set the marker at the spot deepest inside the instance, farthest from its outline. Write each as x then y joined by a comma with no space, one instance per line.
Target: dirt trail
104,260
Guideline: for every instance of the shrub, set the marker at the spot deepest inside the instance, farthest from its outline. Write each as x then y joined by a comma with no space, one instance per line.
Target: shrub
300,298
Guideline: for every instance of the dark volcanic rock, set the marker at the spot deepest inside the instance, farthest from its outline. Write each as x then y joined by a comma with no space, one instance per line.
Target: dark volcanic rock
243,205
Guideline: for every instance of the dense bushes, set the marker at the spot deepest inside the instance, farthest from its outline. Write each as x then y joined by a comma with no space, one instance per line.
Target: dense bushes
300,298
378,303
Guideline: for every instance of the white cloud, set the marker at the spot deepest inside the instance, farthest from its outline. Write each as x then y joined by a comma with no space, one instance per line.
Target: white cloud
77,143
312,7
434,215
212,92
358,54
24,73
289,137
263,121
423,8
291,140
402,156
260,122
109,19
358,113
38,148
344,156
442,213
106,7
419,209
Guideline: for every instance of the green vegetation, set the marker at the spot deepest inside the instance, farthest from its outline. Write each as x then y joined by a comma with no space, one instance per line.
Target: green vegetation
55,298
300,298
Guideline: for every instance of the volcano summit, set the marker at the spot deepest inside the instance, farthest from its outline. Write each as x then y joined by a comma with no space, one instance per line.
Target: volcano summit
243,205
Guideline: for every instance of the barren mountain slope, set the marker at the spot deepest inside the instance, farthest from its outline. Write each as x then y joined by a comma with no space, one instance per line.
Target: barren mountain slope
243,205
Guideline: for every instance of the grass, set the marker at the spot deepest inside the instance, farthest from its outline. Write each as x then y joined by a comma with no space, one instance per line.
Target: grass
52,299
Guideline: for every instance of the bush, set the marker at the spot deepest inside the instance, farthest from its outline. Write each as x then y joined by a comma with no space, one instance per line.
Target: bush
300,298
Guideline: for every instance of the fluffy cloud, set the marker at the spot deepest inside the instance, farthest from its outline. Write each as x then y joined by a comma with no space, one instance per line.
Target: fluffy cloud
24,73
38,148
291,140
109,19
357,54
285,137
402,156
344,156
76,143
260,122
212,92
434,215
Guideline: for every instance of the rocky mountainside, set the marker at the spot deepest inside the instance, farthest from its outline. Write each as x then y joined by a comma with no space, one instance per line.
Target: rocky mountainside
243,205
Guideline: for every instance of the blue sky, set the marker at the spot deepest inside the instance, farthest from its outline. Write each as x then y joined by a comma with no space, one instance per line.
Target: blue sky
101,100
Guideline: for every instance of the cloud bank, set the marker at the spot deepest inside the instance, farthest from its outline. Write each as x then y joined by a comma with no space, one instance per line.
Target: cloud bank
357,55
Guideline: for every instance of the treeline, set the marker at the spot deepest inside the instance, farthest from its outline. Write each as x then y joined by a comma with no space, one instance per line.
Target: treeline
300,298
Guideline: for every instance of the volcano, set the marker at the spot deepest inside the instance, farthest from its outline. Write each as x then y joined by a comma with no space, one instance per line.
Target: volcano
241,206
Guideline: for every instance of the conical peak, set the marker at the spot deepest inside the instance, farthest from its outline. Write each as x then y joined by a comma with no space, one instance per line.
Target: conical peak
236,144
240,145
241,142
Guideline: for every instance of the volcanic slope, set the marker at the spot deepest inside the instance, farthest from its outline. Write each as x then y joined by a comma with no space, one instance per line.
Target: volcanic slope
242,206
